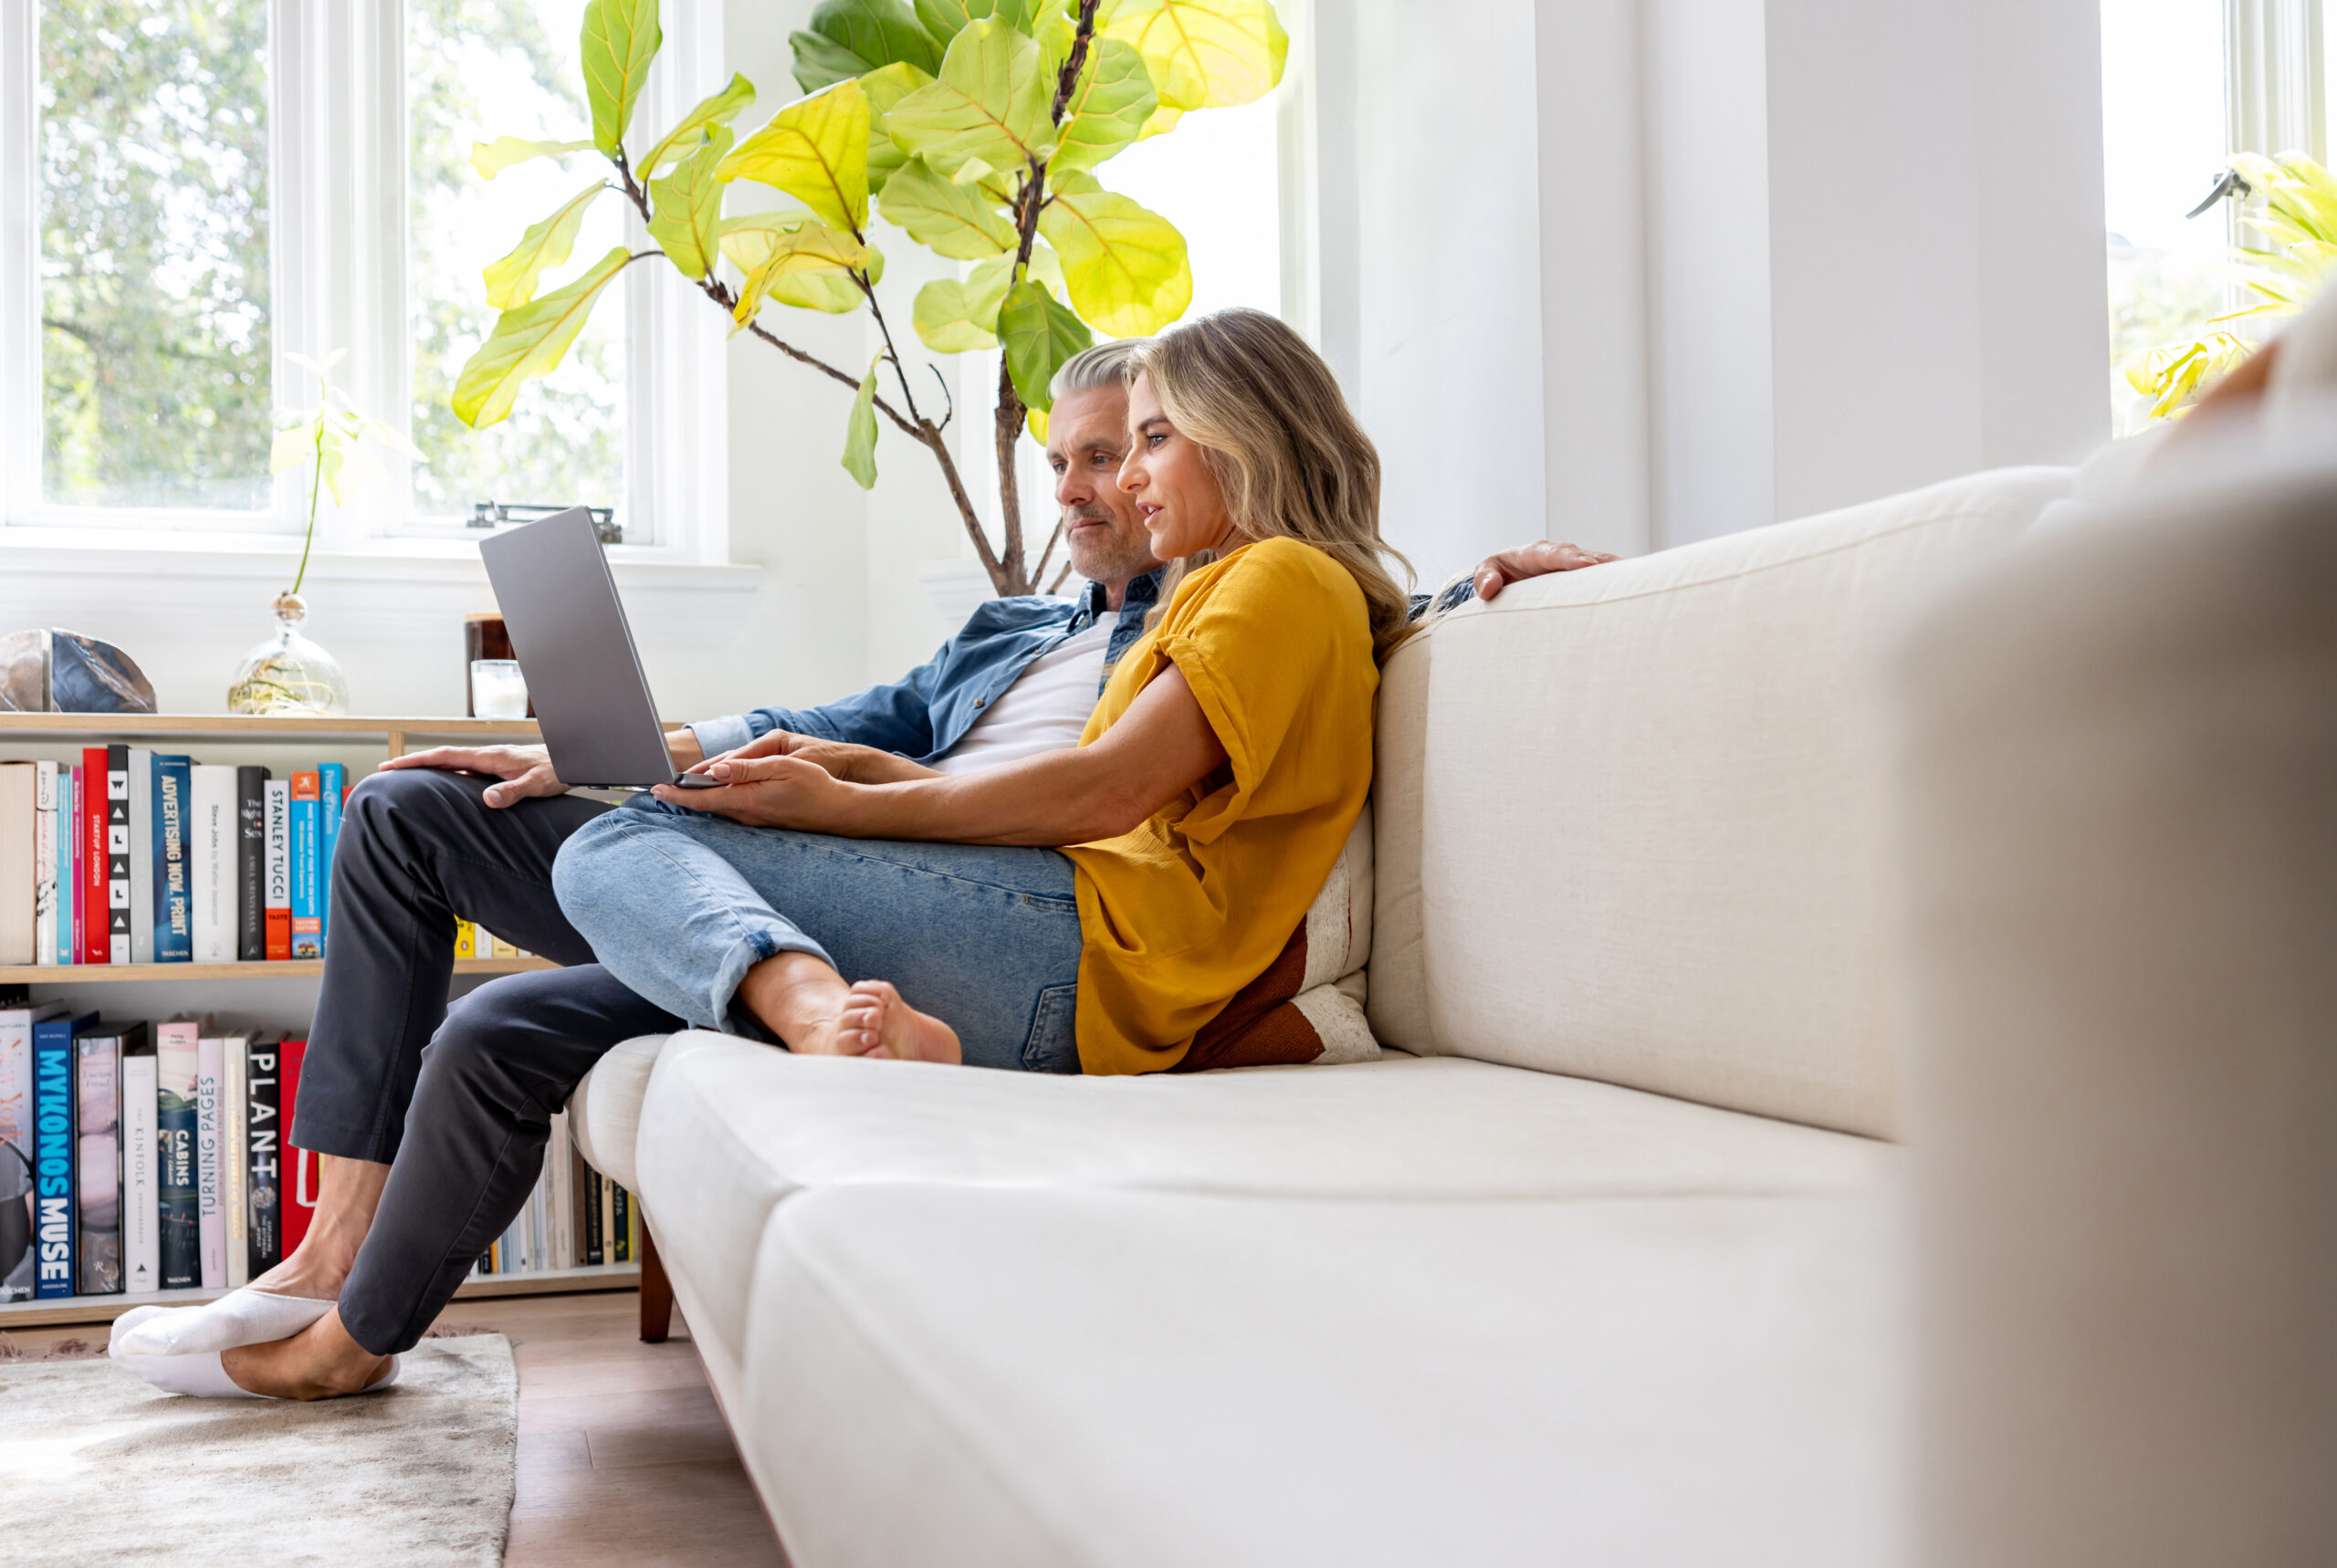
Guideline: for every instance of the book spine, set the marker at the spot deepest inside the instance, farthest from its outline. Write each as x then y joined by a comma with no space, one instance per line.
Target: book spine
556,1158
118,902
178,1062
297,1184
174,819
96,1165
306,928
69,864
211,1070
19,883
465,939
45,884
210,861
279,887
53,1157
332,787
145,846
591,1215
263,1138
251,864
620,1235
16,1148
141,1257
234,1097
90,851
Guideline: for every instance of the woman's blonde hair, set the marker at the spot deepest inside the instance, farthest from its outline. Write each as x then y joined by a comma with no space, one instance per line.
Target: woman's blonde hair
1283,446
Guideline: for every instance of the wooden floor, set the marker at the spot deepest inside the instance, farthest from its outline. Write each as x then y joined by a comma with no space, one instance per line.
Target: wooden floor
623,1460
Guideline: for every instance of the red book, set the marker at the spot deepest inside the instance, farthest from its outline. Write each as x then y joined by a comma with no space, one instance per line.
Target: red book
96,945
299,1168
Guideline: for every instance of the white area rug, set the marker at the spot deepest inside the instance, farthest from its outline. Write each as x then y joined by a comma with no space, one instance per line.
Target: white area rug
97,1467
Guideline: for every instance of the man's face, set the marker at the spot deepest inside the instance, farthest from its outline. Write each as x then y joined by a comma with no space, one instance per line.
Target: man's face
1087,435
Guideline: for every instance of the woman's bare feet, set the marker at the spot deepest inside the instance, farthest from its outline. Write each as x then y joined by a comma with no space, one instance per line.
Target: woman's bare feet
804,1002
320,1362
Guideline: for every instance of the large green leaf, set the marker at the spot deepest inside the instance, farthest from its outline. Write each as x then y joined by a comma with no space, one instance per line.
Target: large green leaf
491,158
950,321
860,430
887,87
807,248
955,220
512,280
945,19
528,342
832,292
815,150
1123,264
717,109
689,207
1108,105
1038,335
852,38
620,40
991,105
1204,54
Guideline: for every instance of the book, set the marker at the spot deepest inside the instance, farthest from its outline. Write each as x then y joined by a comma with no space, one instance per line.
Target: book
179,1224
174,909
262,1133
251,864
89,852
118,902
70,864
142,836
620,1231
17,1219
54,1271
277,881
211,1219
591,1215
19,831
233,1096
306,925
467,940
333,790
46,946
97,1162
210,861
142,1258
296,1183
559,1166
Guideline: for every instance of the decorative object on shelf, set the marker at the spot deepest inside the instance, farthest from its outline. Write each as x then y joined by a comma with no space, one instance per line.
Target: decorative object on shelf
981,134
57,671
495,514
485,637
290,674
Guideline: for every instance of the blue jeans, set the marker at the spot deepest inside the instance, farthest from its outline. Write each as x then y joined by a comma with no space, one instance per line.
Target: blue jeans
679,905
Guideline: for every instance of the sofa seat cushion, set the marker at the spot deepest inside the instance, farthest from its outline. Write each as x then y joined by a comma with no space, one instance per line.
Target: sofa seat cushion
1141,1379
729,1127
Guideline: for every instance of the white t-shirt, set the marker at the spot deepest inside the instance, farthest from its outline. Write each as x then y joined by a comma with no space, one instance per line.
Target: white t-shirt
1043,710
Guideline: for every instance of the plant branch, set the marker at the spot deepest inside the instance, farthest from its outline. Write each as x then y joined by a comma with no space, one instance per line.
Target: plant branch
900,371
316,483
1048,554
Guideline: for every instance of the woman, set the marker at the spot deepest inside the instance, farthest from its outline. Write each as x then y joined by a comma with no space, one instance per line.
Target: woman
1212,791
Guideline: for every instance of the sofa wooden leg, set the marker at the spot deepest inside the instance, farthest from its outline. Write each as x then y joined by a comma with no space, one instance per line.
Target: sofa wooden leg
657,1292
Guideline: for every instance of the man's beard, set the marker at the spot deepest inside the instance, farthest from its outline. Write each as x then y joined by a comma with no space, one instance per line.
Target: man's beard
1107,555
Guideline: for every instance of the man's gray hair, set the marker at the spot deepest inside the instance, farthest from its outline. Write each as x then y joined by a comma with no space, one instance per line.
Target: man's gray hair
1102,365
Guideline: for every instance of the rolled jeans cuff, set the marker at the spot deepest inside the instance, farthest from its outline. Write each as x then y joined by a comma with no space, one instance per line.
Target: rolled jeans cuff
762,940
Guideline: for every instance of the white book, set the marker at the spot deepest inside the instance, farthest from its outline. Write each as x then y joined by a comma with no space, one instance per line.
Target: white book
211,1218
233,1187
276,877
45,822
18,803
539,1258
142,855
557,1164
210,861
141,1255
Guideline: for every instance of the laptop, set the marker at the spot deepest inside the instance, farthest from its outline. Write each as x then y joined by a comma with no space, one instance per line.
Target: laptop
568,632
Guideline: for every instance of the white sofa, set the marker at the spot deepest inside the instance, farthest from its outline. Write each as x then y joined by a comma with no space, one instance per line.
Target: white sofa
1594,1266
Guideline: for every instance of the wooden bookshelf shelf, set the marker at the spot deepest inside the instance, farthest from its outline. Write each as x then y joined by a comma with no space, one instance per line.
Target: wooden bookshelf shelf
392,733
282,969
105,1309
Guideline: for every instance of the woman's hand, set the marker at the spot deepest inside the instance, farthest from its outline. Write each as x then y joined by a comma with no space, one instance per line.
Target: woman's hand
768,791
842,759
1539,559
526,770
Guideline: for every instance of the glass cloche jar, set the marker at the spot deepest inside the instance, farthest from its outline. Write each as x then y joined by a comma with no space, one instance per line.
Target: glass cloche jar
288,673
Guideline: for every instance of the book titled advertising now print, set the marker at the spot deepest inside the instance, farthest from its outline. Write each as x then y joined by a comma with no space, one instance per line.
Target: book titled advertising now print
173,911
53,1269
141,1257
178,1053
308,927
18,1146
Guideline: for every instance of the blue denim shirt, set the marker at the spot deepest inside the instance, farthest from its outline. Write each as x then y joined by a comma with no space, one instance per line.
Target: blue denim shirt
928,711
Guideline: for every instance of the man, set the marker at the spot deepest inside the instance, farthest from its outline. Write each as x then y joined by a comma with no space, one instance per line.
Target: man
416,851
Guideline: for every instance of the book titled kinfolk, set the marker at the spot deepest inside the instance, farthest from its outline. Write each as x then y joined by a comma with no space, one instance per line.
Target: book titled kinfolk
53,1039
263,1139
97,1160
251,864
141,1257
18,1142
174,902
178,1064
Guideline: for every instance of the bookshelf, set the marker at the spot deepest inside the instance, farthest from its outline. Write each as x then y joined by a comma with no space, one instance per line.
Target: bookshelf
392,737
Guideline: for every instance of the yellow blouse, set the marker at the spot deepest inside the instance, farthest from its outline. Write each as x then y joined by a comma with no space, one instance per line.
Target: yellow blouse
1276,640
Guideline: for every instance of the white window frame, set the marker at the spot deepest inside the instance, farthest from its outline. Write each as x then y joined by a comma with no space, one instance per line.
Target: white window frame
2275,98
338,212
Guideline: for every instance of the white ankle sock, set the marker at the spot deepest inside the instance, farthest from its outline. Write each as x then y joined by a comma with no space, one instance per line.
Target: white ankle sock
239,1317
202,1375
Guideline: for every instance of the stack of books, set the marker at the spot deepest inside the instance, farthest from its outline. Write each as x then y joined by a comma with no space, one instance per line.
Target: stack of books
148,1157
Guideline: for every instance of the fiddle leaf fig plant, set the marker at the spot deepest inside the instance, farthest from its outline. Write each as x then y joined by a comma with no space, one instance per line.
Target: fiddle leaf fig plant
975,127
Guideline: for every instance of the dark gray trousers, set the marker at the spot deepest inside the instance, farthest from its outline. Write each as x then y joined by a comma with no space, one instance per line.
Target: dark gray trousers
457,1101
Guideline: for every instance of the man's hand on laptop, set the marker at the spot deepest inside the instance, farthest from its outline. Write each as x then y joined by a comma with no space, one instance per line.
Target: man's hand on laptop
525,770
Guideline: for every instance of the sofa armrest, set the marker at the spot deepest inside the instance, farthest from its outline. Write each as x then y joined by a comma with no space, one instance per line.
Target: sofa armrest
604,1111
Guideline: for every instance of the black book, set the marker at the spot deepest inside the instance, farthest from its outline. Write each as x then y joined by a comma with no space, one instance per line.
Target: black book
263,1172
592,1214
621,1244
251,864
118,852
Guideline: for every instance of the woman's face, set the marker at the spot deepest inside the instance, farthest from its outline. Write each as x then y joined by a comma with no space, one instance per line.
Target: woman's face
1175,493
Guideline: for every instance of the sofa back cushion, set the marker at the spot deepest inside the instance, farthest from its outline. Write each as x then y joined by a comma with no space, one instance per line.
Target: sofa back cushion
1624,823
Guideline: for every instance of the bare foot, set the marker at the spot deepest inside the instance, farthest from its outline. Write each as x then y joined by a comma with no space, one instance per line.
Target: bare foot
874,1021
314,1271
320,1362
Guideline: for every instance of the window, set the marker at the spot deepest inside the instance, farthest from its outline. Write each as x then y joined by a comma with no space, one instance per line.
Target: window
213,185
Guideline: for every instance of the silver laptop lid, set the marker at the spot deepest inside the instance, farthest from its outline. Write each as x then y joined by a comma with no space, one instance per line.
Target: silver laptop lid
568,632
